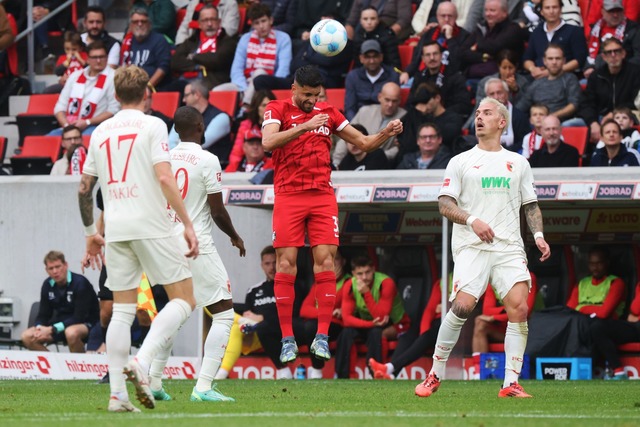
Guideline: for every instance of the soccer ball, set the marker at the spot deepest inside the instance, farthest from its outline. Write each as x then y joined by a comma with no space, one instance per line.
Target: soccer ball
328,37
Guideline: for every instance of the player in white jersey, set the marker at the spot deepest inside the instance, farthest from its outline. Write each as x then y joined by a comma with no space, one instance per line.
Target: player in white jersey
482,192
129,155
198,174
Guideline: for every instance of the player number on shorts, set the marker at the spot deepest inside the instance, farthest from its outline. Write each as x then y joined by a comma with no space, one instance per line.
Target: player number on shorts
336,229
107,145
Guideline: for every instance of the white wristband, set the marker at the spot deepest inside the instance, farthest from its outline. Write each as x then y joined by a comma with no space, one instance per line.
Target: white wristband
538,235
90,230
471,219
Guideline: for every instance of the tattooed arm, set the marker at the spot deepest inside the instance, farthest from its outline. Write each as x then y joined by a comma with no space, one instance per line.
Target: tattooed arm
534,221
93,255
449,208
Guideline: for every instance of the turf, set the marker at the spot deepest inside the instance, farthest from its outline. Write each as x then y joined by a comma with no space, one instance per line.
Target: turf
330,403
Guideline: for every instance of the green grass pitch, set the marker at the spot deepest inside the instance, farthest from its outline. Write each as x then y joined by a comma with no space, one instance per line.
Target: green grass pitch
263,403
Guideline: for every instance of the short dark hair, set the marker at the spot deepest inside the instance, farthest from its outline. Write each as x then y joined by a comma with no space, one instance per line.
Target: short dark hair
185,119
53,256
509,55
70,128
429,125
257,11
600,249
554,45
609,122
97,45
610,40
559,3
361,261
431,43
267,250
308,75
95,9
361,128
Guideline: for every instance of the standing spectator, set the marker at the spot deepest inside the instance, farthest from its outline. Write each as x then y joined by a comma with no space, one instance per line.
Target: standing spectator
613,85
146,49
371,309
597,8
255,117
490,252
227,12
74,154
359,160
68,308
614,152
88,97
263,50
95,24
363,84
162,14
554,31
395,14
507,71
555,153
254,159
533,140
217,123
559,90
207,54
375,117
453,88
448,35
431,153
371,28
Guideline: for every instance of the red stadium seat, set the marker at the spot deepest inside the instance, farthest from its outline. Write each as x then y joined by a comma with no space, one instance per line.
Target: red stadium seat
166,102
226,100
404,96
282,93
335,97
243,18
406,52
3,149
12,51
86,139
39,118
577,137
41,146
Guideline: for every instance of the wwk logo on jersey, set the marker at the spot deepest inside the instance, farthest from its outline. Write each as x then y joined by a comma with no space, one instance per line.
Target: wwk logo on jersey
495,182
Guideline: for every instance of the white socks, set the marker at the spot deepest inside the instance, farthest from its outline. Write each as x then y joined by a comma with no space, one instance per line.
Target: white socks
214,348
515,341
447,337
118,343
222,374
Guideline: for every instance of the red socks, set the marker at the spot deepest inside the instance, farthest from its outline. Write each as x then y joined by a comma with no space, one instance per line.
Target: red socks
285,295
326,298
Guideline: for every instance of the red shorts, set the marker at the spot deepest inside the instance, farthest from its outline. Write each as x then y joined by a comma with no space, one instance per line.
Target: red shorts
313,209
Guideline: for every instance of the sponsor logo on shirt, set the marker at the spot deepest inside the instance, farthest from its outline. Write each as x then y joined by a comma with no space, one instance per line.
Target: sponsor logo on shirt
495,182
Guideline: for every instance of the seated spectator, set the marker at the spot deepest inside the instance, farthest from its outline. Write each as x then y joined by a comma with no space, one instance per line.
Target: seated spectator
606,334
600,294
74,154
497,32
614,152
533,140
452,86
68,308
431,153
555,152
254,159
371,28
427,107
363,84
227,12
306,325
596,9
73,59
88,97
507,71
147,49
358,160
162,14
559,90
446,32
95,24
371,309
626,119
255,117
217,123
148,110
207,54
375,117
476,12
613,85
263,50
554,30
258,327
394,14
612,23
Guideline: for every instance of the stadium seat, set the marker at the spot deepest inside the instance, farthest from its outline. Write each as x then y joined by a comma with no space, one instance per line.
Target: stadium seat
12,51
282,93
41,146
404,96
166,102
243,19
577,137
3,149
406,52
335,97
556,276
226,100
38,119
86,139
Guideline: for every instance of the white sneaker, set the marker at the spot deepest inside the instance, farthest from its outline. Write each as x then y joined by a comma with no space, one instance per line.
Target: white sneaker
284,374
315,374
140,381
117,405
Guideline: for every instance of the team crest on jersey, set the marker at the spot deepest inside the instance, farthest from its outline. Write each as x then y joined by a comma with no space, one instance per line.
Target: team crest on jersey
510,166
165,146
273,236
219,176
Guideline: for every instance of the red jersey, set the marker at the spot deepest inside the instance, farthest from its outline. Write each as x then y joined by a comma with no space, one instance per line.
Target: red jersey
305,162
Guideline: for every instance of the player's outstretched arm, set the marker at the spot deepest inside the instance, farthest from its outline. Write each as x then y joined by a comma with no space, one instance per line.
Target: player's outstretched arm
533,214
449,208
93,256
369,143
172,194
273,138
221,217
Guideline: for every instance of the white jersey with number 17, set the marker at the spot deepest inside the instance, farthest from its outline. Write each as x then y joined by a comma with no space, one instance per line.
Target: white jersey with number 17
122,154
491,185
198,174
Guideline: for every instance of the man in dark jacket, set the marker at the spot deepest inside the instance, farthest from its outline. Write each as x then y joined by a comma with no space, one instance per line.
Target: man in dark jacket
207,54
555,153
431,153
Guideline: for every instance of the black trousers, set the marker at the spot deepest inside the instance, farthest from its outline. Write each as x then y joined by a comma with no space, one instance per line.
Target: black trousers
410,349
270,336
373,339
305,330
606,334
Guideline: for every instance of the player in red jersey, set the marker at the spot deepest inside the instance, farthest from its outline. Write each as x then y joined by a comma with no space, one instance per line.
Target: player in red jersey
298,133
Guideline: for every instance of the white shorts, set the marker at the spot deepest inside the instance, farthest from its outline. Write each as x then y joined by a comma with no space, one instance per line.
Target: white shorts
161,259
210,279
474,269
